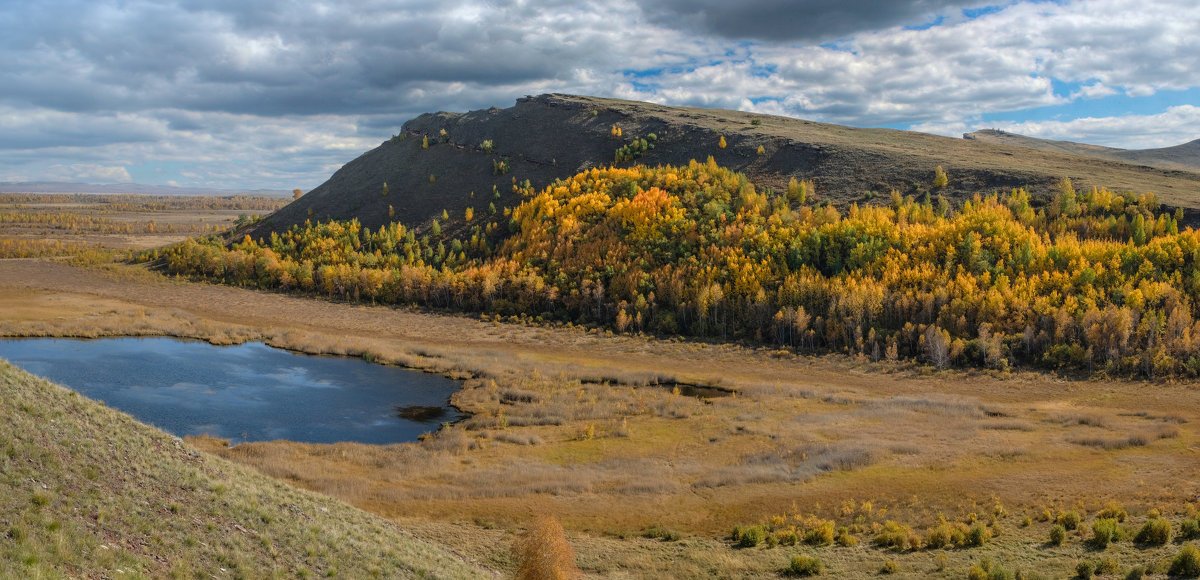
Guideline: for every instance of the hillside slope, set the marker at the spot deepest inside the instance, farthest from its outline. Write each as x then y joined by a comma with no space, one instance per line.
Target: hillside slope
554,136
86,491
1185,157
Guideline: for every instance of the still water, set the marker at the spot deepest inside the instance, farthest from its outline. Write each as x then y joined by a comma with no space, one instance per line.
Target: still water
250,392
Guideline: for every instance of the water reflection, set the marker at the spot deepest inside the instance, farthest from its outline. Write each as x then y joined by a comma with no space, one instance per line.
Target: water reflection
250,392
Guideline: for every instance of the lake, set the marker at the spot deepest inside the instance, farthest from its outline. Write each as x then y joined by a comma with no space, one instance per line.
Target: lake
249,392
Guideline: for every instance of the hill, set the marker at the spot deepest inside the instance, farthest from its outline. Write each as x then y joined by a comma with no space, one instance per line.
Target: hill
1185,157
87,492
550,137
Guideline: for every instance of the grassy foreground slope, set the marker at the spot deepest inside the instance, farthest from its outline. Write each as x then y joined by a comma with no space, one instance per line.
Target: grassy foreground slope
86,491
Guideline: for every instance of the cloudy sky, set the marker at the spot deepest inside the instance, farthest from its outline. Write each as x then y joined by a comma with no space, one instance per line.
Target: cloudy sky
280,93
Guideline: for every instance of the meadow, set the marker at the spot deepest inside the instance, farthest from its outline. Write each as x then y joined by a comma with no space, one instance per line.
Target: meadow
689,458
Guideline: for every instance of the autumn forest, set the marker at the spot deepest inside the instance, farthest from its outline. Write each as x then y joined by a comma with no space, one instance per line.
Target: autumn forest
1096,282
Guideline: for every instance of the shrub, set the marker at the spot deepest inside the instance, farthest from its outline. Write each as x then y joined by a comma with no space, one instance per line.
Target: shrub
986,570
1114,511
1186,563
1105,531
1189,529
978,535
749,537
1057,534
657,532
543,552
1136,574
1108,566
805,566
1156,532
889,567
1084,570
820,535
845,538
1069,520
893,535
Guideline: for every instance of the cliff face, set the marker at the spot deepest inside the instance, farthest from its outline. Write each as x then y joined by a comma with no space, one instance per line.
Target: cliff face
548,137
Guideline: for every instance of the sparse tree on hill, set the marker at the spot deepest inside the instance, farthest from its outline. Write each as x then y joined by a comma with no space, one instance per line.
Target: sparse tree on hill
385,192
296,193
940,179
721,143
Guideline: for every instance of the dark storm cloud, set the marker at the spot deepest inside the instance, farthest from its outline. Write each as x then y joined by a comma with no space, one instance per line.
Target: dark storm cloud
797,20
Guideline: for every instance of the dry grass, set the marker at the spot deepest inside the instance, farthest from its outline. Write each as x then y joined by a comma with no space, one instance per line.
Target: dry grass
587,427
86,491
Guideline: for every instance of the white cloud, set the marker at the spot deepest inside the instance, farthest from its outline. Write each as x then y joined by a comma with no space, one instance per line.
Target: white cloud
1174,126
88,172
278,93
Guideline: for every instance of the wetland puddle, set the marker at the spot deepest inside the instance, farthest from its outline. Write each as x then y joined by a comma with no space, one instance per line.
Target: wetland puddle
249,392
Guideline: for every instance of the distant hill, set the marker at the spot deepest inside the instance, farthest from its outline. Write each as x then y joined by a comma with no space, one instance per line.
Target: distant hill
137,188
1184,157
88,492
554,136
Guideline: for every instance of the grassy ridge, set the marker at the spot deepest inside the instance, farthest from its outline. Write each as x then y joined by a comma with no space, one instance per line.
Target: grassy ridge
86,491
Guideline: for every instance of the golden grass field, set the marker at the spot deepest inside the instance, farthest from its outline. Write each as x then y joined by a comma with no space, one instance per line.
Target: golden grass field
586,426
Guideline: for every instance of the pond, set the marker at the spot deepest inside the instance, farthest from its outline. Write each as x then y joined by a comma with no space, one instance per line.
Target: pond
249,392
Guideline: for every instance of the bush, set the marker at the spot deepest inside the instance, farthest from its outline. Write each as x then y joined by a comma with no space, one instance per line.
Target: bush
821,535
1136,574
1085,570
1069,520
1105,531
1156,532
845,538
1189,529
893,535
986,570
1057,534
657,532
1114,511
805,566
1108,566
889,567
1186,563
749,537
978,535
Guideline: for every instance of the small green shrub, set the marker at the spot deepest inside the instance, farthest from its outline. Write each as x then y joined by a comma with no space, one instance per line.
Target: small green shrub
805,566
978,535
889,567
1085,570
1108,566
1155,532
893,535
1057,534
749,537
1069,520
1189,529
1136,574
1105,531
1186,563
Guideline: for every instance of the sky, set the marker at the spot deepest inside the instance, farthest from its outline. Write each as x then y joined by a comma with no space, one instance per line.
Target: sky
279,94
